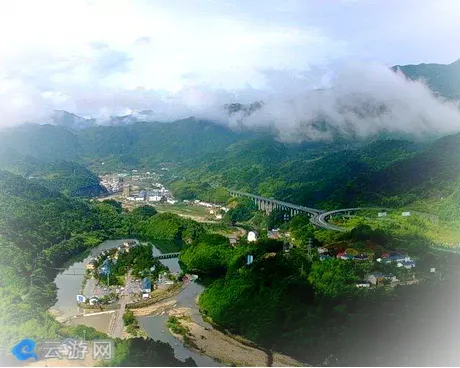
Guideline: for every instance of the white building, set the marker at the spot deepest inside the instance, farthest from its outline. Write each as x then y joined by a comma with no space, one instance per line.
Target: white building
155,198
205,204
252,236
93,300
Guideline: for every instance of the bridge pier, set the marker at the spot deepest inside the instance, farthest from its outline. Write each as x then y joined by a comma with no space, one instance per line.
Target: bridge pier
267,205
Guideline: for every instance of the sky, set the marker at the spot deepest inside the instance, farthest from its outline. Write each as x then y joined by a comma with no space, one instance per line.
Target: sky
98,58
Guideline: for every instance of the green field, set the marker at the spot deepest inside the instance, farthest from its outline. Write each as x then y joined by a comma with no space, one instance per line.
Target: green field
418,224
184,210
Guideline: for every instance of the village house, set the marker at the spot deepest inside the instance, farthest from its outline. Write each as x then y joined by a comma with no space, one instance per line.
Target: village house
93,300
274,234
146,285
345,256
129,243
252,236
378,278
91,265
361,257
363,284
408,264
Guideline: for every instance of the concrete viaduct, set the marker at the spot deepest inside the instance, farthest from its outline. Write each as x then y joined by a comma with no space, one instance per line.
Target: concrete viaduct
317,217
269,204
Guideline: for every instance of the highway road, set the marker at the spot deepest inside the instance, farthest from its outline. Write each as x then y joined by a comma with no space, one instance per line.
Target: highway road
321,219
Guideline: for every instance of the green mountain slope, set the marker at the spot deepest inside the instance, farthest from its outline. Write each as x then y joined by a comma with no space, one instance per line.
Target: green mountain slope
443,79
65,176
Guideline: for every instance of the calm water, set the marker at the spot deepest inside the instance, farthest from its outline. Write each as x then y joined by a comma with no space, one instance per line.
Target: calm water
155,326
69,284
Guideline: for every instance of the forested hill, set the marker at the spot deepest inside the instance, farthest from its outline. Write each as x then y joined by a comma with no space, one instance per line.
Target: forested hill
206,155
443,79
69,177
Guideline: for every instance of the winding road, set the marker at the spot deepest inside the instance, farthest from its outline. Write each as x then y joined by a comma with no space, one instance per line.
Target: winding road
321,219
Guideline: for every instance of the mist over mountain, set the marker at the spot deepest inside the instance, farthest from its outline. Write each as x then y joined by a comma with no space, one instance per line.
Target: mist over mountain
442,79
355,101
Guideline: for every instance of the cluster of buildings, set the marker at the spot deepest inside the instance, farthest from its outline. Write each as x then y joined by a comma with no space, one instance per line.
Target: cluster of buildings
214,209
112,183
109,257
147,286
378,279
159,194
401,260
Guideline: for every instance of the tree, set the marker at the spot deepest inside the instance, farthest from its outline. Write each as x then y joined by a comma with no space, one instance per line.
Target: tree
333,277
139,352
115,204
128,317
144,212
243,211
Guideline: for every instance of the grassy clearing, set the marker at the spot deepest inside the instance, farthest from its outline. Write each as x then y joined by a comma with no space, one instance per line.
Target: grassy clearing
184,209
436,231
121,279
176,327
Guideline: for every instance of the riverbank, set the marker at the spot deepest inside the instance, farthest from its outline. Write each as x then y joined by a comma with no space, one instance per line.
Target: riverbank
227,349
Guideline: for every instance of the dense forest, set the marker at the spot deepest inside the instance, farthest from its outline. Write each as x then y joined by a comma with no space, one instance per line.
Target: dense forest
68,177
204,158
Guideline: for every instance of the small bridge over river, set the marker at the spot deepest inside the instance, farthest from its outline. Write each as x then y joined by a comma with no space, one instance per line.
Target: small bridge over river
167,255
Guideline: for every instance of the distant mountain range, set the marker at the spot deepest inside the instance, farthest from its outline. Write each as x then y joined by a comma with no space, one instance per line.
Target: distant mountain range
72,121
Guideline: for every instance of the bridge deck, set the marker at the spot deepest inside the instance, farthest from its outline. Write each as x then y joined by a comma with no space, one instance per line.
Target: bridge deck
167,255
281,203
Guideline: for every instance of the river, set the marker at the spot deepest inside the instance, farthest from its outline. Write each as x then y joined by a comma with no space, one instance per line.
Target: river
69,284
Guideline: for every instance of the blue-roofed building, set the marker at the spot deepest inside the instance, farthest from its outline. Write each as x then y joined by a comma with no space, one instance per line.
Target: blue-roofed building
146,285
105,268
407,264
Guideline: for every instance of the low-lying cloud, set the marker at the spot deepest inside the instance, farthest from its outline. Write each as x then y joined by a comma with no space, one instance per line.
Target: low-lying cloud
350,98
358,100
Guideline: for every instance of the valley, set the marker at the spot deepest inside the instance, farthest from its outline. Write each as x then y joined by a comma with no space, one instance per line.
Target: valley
283,248
229,184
